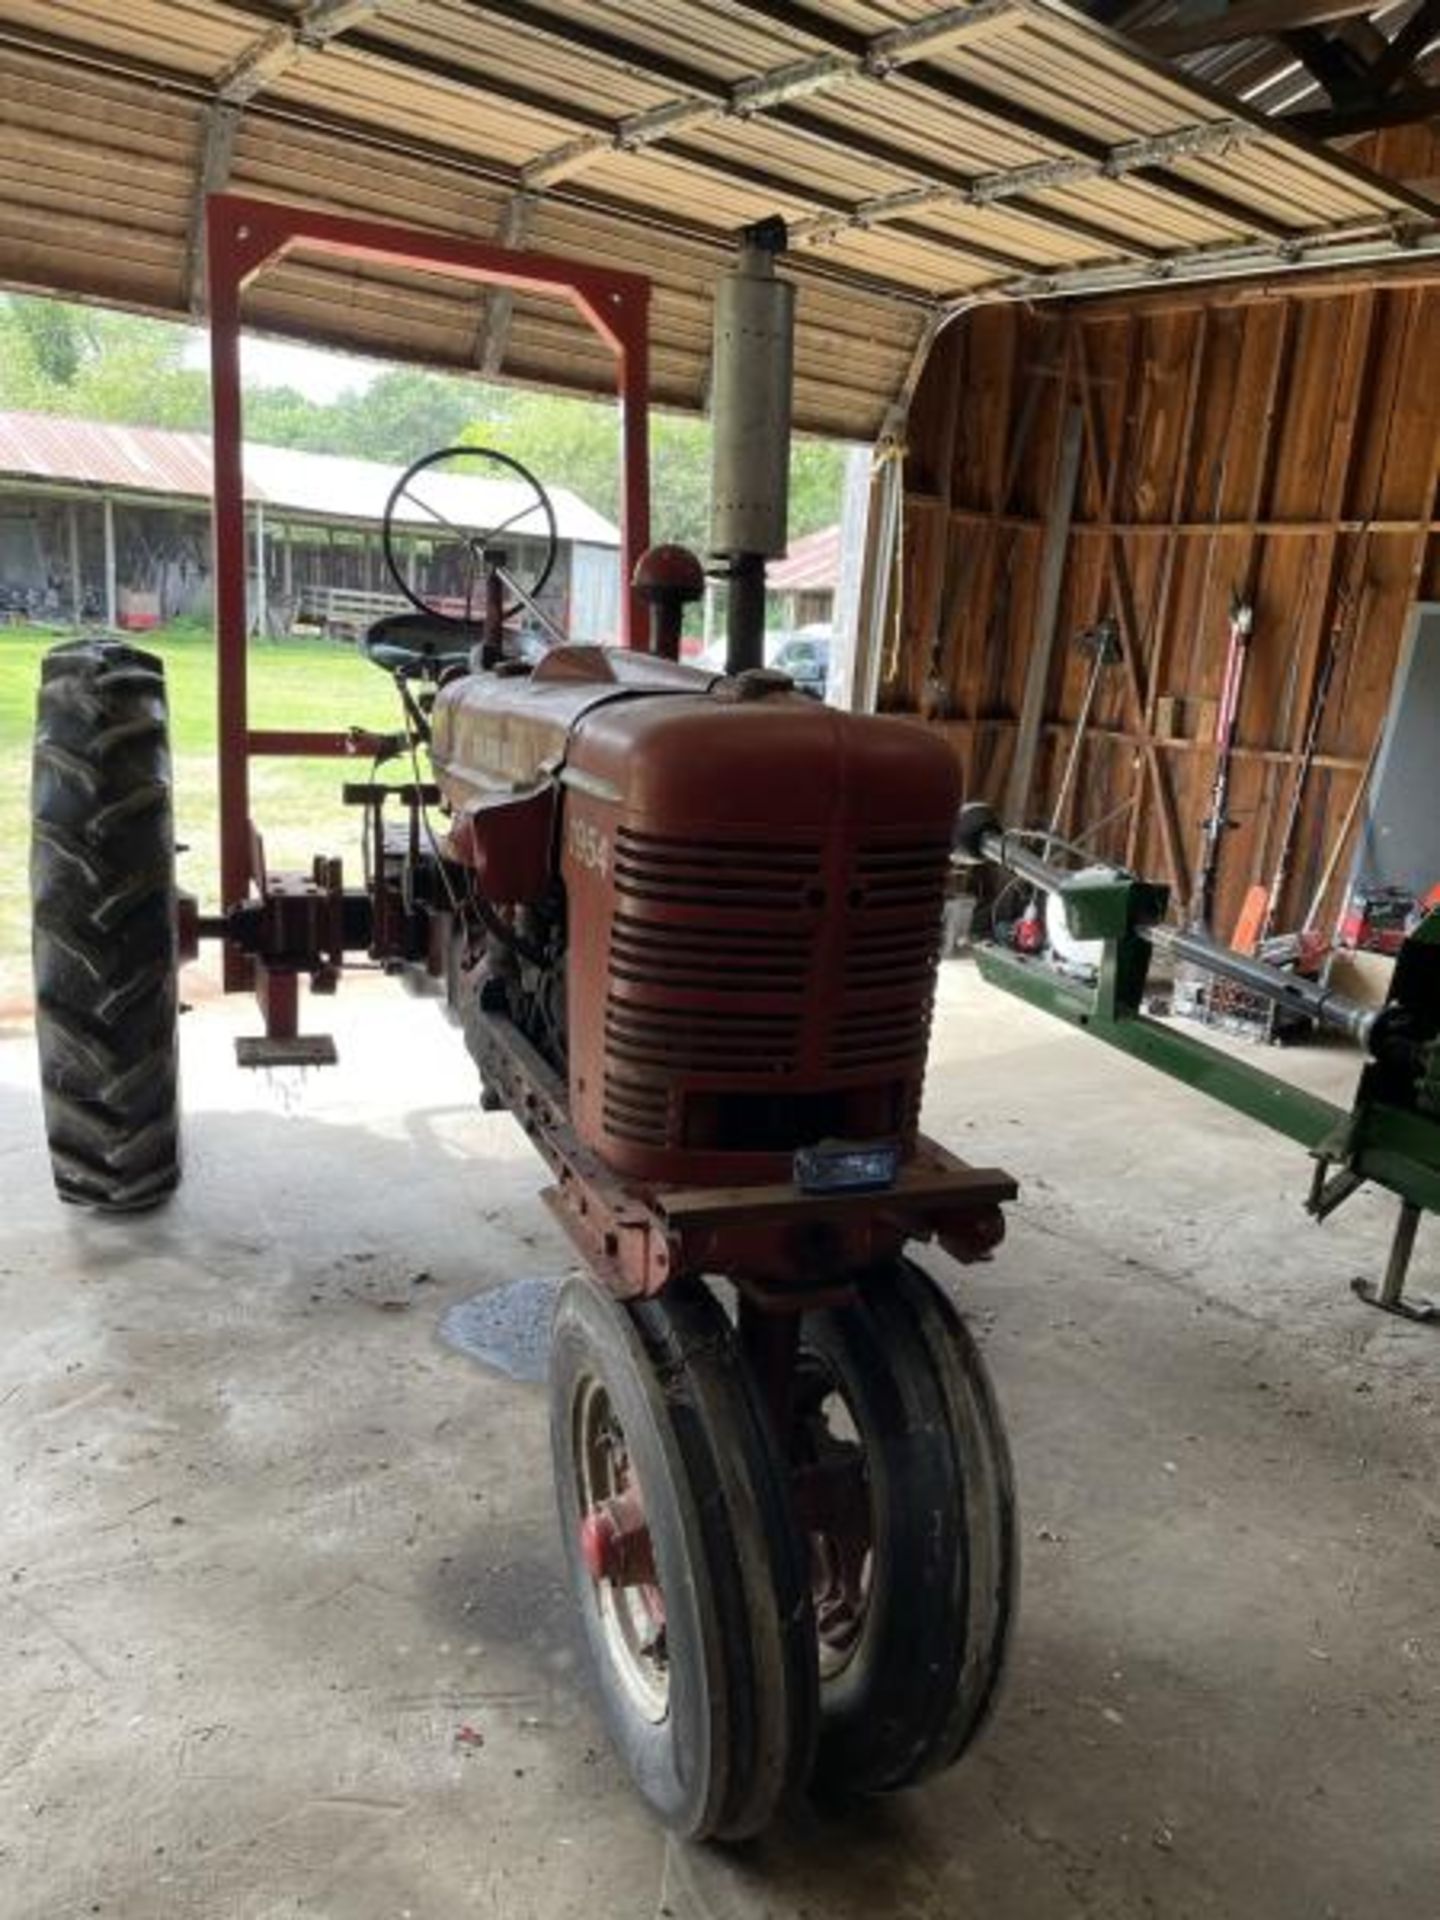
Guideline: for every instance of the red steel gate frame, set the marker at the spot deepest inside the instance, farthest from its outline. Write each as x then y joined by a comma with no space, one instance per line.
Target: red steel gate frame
244,235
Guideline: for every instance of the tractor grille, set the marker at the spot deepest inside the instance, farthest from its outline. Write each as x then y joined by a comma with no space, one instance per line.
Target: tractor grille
689,1039
636,1110
729,875
891,952
710,951
717,975
708,958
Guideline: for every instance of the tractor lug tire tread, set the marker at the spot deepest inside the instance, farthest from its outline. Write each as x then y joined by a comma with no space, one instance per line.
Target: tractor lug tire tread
102,879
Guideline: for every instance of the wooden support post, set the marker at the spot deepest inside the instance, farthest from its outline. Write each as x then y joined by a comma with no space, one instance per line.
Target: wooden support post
1130,636
1276,390
933,693
1165,586
112,608
1047,615
77,588
1336,602
262,607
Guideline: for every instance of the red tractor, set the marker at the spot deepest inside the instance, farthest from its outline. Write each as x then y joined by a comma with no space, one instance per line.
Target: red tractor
689,924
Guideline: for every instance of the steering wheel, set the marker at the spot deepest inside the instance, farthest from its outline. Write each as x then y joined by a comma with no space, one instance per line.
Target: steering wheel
442,492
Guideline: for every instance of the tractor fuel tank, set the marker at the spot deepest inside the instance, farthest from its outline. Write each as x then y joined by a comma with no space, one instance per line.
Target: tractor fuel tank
499,741
503,732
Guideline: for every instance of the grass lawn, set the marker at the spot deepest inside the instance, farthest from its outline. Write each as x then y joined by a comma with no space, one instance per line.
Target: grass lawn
296,803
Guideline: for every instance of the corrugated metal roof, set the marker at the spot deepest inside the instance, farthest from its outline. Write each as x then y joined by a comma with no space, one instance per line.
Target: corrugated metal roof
317,486
923,154
812,563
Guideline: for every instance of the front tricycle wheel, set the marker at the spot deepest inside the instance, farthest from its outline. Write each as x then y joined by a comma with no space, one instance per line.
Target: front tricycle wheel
689,1573
913,1553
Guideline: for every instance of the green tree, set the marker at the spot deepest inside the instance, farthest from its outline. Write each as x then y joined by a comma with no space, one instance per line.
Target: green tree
100,366
55,334
401,414
131,370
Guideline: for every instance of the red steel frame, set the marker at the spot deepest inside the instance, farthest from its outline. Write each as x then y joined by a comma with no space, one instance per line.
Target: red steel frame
244,235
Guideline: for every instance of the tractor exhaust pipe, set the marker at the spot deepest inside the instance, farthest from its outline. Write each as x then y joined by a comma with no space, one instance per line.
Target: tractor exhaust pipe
752,371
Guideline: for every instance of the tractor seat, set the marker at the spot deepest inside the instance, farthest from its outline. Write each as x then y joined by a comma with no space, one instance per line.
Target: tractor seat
419,643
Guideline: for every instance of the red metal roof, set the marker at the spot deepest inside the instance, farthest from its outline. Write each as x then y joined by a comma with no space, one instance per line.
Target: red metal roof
318,486
43,446
811,565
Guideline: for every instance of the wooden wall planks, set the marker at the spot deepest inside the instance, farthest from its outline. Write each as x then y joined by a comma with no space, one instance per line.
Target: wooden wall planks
1283,441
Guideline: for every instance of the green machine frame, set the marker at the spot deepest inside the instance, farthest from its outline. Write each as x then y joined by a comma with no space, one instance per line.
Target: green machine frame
1389,1136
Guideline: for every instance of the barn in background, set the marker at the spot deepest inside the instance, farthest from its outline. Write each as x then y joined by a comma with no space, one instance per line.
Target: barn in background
109,523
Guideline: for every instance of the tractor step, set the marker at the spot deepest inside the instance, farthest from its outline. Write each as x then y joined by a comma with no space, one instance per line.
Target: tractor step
301,1050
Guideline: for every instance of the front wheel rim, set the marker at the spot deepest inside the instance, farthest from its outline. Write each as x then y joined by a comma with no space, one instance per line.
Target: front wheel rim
842,1564
631,1617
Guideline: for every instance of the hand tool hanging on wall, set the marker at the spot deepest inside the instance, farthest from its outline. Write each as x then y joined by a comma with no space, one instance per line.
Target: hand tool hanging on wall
1102,643
1212,828
1284,858
1342,838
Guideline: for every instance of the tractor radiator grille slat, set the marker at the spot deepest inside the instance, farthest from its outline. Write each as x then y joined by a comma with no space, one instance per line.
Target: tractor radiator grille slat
678,1038
712,959
890,957
635,1110
727,875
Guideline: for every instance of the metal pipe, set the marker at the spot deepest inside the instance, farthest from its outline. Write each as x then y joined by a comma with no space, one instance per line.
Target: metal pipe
1271,983
1008,850
751,380
745,614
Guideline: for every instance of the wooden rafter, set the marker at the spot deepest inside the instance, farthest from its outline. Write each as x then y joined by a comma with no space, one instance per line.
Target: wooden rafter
1247,20
316,24
1364,116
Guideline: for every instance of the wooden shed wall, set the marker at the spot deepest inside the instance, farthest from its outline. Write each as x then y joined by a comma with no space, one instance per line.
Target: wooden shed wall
1281,441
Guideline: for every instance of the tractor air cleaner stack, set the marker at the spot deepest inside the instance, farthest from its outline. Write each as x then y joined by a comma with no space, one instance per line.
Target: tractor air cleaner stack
750,414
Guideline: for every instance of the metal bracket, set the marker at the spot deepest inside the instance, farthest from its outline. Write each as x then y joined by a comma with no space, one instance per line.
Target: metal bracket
299,1050
1389,1296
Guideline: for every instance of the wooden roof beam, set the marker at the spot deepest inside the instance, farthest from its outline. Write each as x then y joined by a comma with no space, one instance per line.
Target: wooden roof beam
1010,115
512,230
704,99
1135,157
1246,20
1411,44
1364,116
217,147
316,25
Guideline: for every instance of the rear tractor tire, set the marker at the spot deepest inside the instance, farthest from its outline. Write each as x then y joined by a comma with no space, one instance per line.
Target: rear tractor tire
102,882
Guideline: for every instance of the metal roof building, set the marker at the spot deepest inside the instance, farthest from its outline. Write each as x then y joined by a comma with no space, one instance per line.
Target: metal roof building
811,564
137,461
108,519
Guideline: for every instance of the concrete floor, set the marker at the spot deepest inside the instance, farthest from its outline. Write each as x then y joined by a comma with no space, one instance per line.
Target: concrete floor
283,1624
